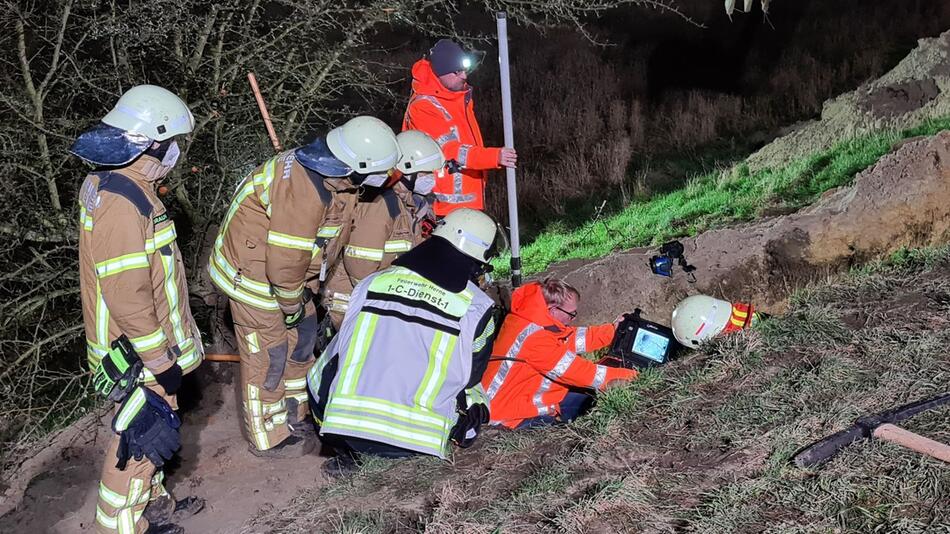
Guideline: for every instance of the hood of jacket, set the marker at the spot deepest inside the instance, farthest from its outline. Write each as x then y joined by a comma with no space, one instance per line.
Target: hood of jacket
528,303
425,82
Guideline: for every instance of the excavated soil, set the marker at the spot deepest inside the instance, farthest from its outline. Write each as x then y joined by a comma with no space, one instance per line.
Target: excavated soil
56,490
902,201
915,90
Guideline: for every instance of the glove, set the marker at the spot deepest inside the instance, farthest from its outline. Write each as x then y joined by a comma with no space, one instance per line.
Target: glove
469,422
170,379
118,371
147,428
292,320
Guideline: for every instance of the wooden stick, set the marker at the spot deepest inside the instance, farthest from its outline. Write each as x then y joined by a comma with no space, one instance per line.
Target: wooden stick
912,441
263,107
235,358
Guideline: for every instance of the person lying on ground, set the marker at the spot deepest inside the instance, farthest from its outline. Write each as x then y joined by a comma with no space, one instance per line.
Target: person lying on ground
535,375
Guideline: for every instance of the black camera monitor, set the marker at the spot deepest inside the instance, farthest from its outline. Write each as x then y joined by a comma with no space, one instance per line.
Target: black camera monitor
639,343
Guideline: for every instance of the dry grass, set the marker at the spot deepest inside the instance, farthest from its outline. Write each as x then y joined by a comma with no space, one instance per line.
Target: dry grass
704,444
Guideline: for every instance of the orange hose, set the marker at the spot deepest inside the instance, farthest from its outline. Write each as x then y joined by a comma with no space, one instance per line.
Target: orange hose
234,358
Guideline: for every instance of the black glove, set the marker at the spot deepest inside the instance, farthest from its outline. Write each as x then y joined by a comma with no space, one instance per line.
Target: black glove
170,379
293,320
148,428
469,422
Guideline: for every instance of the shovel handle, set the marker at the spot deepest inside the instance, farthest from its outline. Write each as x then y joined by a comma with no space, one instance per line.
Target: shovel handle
235,358
912,441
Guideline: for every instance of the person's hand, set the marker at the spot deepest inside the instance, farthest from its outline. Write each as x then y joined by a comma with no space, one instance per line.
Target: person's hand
618,320
508,157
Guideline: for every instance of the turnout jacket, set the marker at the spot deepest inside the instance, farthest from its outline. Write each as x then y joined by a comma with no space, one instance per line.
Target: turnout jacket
277,233
535,360
131,274
449,118
408,355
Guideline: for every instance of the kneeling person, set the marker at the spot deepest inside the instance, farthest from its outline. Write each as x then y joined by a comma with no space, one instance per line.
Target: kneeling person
535,375
402,375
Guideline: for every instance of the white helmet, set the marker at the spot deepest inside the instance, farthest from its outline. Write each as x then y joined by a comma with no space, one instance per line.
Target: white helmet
152,111
470,231
420,153
366,144
699,318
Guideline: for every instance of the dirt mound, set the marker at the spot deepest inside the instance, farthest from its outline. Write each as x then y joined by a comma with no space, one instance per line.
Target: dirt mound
902,201
56,490
917,89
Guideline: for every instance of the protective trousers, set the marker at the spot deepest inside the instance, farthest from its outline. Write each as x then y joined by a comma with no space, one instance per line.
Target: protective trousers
123,495
274,365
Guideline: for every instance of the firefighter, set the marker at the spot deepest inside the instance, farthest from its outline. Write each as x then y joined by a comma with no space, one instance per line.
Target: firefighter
272,250
441,105
140,334
700,318
388,221
536,375
402,376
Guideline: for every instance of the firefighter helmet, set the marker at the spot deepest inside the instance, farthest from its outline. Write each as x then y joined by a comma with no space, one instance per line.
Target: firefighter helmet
152,111
420,153
366,144
699,318
470,231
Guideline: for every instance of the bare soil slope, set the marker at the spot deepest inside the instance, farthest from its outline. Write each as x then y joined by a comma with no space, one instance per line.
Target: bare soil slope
901,202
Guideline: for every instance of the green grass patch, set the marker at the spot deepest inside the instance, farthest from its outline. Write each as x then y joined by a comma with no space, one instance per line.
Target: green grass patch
711,200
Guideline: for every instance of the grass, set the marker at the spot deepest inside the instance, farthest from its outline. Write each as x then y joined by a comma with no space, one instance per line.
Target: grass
710,200
703,444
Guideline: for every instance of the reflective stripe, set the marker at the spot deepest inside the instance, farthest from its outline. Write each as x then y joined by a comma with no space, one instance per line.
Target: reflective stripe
110,497
136,260
249,284
397,245
328,232
365,325
438,105
253,346
171,295
315,374
462,158
112,523
364,253
599,377
236,290
510,355
364,424
289,241
390,409
580,340
102,318
542,408
165,236
288,294
256,411
439,356
475,395
129,410
451,135
458,195
482,339
296,383
562,365
149,341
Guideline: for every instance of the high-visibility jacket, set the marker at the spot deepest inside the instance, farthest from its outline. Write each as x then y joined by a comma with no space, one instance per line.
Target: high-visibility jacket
382,228
449,118
535,360
131,273
272,238
403,356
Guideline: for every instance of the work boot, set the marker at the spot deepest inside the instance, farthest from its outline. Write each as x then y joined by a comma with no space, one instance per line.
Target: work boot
162,510
304,429
292,447
167,528
340,466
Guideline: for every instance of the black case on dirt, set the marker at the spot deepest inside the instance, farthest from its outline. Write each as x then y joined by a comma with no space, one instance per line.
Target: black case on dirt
656,344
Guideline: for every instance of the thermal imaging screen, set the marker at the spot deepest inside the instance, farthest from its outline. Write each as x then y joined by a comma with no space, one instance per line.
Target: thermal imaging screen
650,345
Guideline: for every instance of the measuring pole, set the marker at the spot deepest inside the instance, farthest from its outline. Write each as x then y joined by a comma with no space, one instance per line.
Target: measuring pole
502,20
263,107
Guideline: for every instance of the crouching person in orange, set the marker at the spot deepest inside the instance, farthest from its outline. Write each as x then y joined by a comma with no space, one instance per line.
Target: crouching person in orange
535,375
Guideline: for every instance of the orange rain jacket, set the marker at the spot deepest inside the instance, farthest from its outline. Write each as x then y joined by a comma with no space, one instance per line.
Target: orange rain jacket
449,118
535,360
